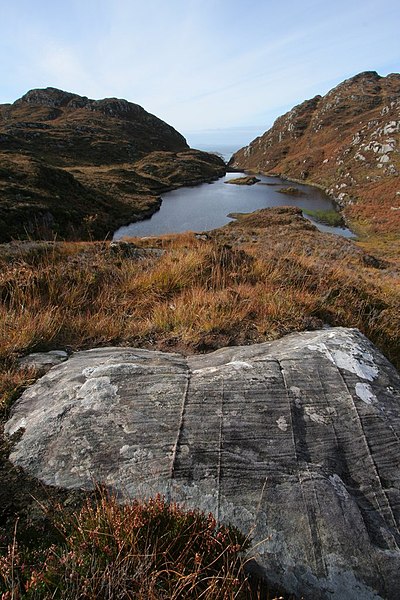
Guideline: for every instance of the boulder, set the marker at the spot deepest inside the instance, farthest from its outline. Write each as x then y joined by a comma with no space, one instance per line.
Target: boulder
43,361
294,441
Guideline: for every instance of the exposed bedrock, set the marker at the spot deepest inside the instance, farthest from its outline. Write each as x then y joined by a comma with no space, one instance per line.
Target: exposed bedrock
294,441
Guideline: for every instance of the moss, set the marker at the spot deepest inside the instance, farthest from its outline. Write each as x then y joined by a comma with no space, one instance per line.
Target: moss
327,217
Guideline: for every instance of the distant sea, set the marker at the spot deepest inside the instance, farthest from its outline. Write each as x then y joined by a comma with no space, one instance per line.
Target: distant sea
225,150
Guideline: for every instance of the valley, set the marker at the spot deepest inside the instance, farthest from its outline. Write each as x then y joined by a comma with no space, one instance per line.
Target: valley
290,333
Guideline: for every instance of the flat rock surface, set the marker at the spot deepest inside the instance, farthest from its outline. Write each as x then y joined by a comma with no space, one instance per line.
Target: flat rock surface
295,441
43,361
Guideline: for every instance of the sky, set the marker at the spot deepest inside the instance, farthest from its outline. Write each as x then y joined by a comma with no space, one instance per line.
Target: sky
218,71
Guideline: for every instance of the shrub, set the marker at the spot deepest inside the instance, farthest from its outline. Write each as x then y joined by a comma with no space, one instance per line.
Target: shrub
146,550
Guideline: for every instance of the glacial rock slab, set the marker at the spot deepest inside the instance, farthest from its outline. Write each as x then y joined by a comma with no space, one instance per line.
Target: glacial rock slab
295,441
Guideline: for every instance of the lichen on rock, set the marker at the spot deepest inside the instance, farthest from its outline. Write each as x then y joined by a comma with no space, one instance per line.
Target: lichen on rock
296,442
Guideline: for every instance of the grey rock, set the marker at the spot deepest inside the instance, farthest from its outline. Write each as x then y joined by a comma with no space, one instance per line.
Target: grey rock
43,361
126,249
295,441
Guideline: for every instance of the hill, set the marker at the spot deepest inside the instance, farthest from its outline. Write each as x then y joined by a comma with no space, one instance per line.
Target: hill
79,168
346,142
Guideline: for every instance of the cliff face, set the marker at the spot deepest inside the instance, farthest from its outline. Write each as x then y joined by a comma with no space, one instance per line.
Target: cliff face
75,167
346,141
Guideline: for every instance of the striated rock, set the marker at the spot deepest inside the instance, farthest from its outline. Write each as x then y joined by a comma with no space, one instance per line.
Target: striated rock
346,141
77,168
295,441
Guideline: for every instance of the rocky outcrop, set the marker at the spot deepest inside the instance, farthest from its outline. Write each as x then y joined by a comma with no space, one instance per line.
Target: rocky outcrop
80,168
290,191
295,441
346,141
67,129
243,180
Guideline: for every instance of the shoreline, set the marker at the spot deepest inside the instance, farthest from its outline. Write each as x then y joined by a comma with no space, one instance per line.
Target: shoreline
348,224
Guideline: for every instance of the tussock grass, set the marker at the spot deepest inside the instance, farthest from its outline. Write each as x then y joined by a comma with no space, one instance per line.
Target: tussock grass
199,294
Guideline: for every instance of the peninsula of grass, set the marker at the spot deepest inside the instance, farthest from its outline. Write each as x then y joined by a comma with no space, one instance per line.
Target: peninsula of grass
326,217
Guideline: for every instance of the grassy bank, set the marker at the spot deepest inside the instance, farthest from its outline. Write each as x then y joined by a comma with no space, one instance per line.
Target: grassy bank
327,217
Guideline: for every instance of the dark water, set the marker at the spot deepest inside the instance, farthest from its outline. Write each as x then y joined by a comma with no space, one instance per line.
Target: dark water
206,206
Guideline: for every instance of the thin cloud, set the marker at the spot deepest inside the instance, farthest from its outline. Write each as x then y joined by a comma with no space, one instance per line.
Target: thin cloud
196,64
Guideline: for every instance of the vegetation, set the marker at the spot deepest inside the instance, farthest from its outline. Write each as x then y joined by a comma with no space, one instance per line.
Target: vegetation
291,191
150,550
247,180
328,217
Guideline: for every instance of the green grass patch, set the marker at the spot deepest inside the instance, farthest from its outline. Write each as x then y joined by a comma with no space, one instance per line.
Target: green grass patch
327,217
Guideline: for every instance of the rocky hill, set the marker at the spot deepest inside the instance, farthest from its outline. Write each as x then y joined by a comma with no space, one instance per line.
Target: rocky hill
346,141
75,167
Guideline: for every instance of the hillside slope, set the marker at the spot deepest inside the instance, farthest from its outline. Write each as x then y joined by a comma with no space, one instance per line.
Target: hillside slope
79,168
347,142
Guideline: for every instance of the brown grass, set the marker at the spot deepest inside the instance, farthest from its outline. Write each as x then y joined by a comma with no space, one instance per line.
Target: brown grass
143,550
249,282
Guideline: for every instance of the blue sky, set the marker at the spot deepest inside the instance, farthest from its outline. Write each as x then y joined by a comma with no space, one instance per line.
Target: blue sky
216,70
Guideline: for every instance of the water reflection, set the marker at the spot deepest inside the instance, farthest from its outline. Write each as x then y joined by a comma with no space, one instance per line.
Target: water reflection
206,206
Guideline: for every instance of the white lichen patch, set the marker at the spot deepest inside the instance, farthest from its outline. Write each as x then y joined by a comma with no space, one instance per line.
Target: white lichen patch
233,365
98,393
282,423
314,416
296,391
16,426
361,365
113,369
206,370
135,454
365,393
349,357
239,364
